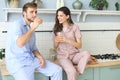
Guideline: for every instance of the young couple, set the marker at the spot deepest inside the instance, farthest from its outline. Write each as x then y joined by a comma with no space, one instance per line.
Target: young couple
23,57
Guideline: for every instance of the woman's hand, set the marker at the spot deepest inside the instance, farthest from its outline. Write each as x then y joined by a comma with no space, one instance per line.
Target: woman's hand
60,38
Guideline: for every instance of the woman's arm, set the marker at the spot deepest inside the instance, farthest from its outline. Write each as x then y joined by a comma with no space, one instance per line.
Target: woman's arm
77,43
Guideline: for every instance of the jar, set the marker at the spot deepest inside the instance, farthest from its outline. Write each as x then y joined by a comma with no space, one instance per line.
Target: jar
77,4
38,2
13,3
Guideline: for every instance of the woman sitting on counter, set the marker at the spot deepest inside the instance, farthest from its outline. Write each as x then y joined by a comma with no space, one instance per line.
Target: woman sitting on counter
67,41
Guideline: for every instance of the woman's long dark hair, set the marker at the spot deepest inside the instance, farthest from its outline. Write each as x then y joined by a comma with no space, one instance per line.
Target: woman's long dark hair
58,27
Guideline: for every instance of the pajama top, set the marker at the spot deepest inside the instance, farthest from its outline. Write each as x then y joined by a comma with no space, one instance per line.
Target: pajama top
15,56
65,49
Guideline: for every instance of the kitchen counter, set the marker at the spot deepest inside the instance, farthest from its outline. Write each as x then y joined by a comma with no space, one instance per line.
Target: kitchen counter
100,64
103,64
92,65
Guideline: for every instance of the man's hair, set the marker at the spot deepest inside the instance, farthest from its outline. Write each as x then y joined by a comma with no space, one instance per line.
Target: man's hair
29,5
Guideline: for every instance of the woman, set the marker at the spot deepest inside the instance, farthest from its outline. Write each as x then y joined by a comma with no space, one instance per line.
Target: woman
67,41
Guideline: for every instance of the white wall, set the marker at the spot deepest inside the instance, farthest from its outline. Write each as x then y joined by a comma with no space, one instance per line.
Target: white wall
94,41
101,39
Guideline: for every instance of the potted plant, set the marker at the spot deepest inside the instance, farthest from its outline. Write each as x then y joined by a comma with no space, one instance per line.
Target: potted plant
99,4
117,6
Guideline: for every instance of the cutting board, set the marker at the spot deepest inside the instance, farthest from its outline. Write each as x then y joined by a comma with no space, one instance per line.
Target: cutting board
118,41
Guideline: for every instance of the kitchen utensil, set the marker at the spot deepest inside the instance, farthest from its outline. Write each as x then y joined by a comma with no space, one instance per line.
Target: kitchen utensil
118,41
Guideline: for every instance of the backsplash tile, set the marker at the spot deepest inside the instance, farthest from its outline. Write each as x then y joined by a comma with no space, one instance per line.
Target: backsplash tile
97,42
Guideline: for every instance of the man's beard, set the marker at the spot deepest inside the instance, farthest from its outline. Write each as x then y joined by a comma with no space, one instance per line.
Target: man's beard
29,20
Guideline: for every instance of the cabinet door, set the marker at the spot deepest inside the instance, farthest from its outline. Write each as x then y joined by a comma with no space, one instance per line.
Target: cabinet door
110,73
87,75
7,77
39,76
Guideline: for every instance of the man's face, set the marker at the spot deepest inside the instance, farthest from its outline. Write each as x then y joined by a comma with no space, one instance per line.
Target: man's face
30,14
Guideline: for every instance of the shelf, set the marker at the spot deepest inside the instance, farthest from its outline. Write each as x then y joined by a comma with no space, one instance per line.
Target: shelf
100,13
40,11
85,13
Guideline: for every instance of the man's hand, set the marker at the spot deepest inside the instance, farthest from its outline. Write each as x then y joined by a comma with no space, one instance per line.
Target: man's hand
42,62
40,57
37,21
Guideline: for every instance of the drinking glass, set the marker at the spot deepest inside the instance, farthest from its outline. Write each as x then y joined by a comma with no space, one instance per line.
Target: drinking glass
59,33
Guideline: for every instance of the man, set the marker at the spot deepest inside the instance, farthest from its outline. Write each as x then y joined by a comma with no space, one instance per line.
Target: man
22,55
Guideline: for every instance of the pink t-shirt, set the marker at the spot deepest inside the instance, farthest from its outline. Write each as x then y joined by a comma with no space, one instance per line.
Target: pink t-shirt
66,49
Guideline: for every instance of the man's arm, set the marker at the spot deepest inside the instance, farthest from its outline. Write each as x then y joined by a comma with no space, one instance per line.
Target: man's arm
22,40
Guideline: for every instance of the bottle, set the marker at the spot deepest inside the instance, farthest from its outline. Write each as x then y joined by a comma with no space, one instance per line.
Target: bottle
62,3
58,4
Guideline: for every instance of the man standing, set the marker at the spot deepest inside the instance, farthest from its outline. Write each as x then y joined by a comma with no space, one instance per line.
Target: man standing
22,55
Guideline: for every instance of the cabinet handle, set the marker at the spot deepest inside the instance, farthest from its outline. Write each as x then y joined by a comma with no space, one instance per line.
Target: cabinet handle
4,31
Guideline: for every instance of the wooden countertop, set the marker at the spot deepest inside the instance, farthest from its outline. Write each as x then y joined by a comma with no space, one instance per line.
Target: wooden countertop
103,64
93,65
100,64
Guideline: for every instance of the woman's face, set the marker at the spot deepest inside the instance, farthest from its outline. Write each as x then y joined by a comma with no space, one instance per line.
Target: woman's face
62,18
